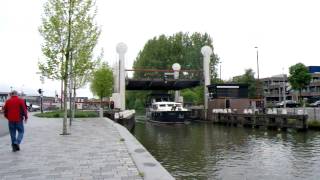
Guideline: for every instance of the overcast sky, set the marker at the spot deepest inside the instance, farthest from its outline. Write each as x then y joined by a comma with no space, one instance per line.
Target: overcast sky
286,32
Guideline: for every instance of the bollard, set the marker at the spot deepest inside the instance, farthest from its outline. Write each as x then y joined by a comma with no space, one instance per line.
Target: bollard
101,112
284,111
300,111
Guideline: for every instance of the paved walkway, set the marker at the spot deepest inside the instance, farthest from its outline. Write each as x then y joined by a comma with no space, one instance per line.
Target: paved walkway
94,150
3,125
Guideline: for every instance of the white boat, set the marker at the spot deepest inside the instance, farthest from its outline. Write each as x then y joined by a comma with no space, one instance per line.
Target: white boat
167,112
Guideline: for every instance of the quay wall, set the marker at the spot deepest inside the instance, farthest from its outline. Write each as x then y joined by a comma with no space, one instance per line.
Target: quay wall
270,121
313,113
148,166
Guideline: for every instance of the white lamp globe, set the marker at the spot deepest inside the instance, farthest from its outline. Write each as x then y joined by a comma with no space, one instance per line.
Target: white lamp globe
176,67
122,48
206,50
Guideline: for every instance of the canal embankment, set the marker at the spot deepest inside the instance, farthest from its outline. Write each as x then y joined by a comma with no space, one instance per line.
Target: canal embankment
313,114
148,166
272,118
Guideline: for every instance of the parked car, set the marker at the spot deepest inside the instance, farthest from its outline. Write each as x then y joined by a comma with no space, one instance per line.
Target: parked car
315,104
32,107
1,105
35,107
289,103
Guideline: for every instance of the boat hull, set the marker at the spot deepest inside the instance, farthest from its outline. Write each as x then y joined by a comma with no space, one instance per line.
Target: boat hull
168,117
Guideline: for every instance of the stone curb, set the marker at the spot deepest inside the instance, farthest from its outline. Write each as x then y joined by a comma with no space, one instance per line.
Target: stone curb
148,166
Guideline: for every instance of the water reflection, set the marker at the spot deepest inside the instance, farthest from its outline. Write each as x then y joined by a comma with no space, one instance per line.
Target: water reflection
206,151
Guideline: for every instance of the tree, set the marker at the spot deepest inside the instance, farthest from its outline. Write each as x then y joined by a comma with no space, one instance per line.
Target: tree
248,78
161,52
70,36
299,77
102,82
194,96
131,100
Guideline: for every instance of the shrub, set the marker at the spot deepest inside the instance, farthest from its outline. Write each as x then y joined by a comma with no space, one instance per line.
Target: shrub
60,114
314,124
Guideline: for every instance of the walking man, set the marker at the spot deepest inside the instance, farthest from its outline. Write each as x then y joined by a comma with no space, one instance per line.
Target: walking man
15,111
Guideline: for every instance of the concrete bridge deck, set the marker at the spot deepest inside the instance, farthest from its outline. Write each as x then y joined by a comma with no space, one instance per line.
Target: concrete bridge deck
160,84
96,149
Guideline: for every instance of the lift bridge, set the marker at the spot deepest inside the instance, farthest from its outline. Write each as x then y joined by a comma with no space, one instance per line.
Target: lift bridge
151,79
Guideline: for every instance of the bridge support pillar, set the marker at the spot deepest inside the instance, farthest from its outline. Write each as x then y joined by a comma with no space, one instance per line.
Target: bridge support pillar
176,68
206,52
121,50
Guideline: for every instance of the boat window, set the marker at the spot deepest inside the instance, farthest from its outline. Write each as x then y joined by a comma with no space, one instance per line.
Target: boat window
170,105
178,105
162,105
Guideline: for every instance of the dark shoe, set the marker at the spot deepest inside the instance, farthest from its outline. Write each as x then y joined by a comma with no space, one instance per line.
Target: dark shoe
14,148
18,147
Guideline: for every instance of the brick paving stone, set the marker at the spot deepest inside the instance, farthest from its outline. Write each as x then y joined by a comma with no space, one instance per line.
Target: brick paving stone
94,150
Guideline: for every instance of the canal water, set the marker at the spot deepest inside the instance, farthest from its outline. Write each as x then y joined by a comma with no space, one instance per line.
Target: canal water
207,151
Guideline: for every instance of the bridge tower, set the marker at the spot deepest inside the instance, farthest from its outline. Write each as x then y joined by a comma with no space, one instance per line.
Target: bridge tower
176,68
206,52
119,97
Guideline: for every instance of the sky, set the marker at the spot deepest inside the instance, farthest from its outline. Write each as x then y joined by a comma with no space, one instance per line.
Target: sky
285,31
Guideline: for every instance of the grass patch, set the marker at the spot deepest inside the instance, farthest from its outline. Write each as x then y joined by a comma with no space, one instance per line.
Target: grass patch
314,125
292,121
60,114
141,174
140,111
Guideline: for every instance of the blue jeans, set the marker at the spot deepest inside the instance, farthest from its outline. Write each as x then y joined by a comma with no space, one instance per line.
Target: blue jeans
13,128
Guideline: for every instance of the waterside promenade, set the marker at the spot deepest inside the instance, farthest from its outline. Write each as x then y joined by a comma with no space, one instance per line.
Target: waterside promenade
96,149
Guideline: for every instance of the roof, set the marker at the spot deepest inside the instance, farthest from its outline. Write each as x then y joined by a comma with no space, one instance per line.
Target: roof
166,102
220,85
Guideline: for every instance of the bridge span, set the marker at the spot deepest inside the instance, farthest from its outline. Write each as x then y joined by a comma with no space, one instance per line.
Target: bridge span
160,84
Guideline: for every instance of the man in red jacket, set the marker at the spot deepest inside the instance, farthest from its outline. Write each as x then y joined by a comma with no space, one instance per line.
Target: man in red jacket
15,111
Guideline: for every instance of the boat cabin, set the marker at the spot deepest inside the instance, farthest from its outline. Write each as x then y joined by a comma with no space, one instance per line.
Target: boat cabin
167,106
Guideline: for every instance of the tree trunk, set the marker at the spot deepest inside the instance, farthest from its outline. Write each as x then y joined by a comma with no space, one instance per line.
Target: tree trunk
61,94
74,101
70,90
64,128
300,96
66,76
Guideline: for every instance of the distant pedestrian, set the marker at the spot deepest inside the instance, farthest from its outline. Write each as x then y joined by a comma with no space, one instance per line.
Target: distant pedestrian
15,111
111,105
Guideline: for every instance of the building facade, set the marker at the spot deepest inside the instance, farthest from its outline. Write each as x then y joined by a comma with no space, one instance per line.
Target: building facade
277,88
231,96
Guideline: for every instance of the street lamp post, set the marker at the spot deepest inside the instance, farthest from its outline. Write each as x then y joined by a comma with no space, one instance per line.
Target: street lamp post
41,93
220,73
284,91
258,93
257,61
